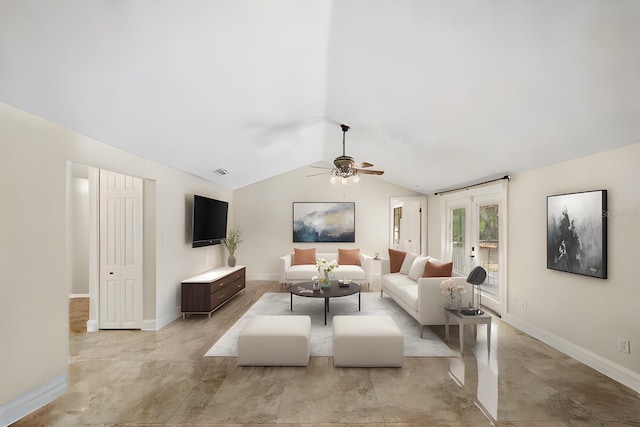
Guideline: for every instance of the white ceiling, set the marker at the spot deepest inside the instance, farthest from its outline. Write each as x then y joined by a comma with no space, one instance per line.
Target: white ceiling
437,92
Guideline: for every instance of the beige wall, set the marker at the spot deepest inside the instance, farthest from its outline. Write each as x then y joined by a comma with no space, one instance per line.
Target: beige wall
579,315
35,280
587,312
264,212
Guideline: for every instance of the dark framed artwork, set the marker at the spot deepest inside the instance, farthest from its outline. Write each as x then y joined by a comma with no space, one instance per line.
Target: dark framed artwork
324,222
577,233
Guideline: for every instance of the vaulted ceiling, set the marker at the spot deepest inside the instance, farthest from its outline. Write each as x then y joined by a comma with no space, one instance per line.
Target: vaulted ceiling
437,92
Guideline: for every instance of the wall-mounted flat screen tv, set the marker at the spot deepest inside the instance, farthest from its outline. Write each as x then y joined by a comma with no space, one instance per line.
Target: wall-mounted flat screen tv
209,221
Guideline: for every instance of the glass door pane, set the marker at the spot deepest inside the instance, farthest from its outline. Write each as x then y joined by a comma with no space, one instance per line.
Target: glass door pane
458,239
489,247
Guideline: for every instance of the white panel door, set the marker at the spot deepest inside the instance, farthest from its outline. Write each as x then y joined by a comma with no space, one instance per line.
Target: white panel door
120,251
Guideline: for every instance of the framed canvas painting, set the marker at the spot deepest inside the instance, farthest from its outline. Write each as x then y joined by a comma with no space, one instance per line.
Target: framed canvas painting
577,233
324,222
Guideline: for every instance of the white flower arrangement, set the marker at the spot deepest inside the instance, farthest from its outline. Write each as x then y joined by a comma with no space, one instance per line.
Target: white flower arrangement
449,287
326,267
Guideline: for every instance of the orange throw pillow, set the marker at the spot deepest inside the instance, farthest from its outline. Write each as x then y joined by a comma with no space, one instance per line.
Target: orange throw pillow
349,256
396,258
438,270
304,256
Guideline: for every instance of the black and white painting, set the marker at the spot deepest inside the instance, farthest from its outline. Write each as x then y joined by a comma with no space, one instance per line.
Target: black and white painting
577,233
324,222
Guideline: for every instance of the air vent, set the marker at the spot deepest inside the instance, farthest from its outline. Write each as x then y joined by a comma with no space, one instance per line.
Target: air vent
221,171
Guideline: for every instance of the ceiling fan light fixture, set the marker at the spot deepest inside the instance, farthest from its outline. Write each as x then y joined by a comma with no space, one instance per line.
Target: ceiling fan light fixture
345,169
343,174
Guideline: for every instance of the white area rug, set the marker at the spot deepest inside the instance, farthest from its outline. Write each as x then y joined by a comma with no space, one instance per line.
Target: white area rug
321,336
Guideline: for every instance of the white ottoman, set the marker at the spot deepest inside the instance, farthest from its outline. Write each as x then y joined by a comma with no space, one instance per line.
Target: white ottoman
275,341
367,341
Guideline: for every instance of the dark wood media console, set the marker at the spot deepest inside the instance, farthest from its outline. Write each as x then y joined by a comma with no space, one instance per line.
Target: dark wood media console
206,292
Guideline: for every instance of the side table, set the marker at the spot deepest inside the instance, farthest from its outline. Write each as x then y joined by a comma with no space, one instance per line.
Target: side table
462,320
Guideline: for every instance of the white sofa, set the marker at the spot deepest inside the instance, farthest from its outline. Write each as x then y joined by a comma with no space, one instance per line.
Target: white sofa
422,299
290,273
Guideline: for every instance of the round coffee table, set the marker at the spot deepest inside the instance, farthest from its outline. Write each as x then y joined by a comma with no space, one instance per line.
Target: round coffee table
305,289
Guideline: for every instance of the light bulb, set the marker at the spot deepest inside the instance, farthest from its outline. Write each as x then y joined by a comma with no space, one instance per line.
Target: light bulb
332,179
344,181
356,179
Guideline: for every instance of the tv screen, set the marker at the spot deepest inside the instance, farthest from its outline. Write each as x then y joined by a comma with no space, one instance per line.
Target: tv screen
209,221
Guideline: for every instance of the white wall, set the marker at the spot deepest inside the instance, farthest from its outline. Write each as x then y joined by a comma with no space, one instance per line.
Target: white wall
79,229
35,279
579,315
587,312
264,212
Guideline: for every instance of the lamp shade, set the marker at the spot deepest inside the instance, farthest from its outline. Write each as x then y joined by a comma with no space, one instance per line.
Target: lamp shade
477,276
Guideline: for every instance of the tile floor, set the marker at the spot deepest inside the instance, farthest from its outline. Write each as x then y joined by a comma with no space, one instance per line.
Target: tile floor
133,378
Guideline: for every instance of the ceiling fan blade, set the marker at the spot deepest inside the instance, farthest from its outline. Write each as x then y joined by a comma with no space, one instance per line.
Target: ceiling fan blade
370,172
317,174
363,165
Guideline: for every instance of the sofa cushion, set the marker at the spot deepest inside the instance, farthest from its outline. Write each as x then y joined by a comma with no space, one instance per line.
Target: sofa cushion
408,262
301,272
417,268
402,287
395,260
304,256
353,272
349,256
438,270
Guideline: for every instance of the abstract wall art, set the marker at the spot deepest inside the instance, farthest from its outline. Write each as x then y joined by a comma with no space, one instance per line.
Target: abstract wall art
324,222
577,233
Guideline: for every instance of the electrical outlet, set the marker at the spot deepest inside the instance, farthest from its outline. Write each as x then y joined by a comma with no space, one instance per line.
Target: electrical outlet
523,304
624,346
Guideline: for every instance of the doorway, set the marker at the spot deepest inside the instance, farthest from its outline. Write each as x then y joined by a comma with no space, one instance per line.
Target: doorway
84,254
476,235
408,225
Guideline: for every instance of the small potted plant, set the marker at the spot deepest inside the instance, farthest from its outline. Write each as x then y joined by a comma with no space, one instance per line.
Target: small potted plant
231,242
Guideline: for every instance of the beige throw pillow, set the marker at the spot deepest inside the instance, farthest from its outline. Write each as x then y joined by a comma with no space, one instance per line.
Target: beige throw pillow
417,268
408,261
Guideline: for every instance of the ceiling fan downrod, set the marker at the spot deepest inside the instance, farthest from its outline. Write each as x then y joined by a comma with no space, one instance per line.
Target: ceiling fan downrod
345,128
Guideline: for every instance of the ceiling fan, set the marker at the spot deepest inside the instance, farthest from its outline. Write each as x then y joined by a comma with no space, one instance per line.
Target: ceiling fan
345,167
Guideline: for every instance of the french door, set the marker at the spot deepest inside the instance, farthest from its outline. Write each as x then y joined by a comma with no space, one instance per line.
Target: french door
476,235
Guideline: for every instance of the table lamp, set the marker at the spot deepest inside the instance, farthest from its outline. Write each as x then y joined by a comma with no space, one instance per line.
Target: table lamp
476,278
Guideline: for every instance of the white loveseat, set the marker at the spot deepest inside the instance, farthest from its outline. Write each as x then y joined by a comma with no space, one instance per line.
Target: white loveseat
421,298
290,273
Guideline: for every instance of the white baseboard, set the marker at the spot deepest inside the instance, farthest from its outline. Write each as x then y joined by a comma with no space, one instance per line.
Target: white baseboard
611,369
165,320
150,325
78,295
92,325
34,399
263,276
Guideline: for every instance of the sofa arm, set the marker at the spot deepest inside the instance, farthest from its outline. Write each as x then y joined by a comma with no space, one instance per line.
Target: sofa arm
365,263
385,266
285,264
431,301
